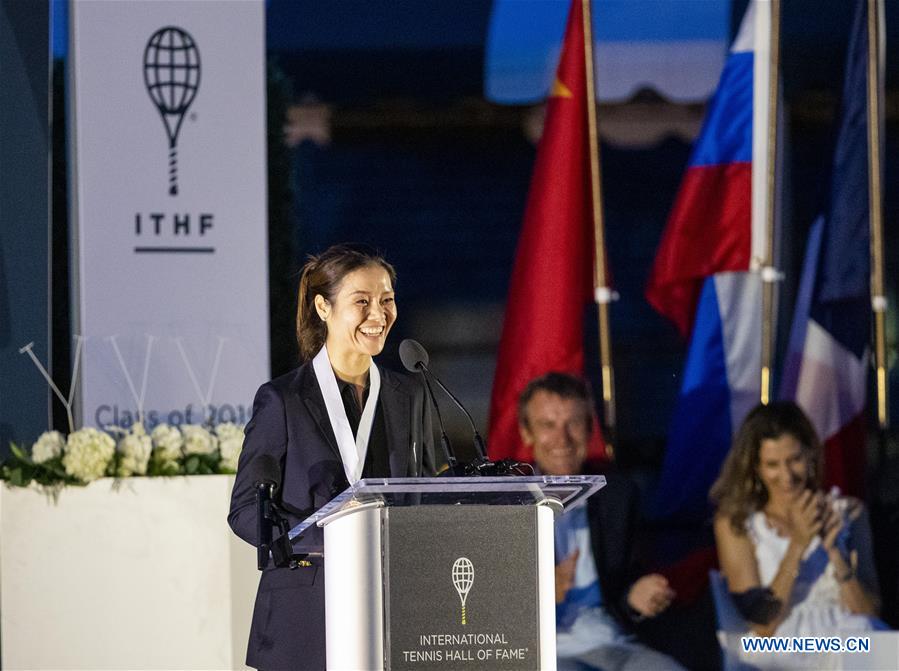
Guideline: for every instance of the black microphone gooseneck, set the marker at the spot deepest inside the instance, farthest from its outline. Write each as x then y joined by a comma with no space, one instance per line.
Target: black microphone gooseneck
411,356
479,446
415,357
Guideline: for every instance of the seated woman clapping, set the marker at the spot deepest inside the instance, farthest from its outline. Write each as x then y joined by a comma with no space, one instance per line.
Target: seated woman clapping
797,561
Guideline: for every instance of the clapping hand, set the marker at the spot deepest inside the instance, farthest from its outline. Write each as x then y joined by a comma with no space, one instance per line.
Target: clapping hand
835,520
565,575
832,524
650,595
806,517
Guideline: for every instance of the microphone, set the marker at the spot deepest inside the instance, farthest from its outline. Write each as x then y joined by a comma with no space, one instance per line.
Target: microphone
413,355
267,474
414,358
266,470
267,479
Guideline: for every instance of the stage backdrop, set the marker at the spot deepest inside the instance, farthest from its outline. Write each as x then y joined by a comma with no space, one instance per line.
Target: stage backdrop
167,104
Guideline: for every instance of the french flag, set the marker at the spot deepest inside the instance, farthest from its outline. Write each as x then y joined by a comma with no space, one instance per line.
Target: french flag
706,274
826,369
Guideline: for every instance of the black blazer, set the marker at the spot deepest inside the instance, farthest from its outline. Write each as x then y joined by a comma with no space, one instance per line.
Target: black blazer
613,515
290,423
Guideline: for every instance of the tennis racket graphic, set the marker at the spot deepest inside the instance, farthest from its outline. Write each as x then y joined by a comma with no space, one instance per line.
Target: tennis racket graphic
463,577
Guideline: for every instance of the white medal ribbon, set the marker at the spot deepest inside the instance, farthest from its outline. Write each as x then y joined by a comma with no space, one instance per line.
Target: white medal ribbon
352,451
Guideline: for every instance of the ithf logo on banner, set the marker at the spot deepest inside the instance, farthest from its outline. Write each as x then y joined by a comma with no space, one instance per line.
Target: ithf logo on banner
463,578
176,203
172,77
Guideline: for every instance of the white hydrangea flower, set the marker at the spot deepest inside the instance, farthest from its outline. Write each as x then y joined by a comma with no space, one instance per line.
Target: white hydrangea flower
198,440
134,448
228,430
230,437
49,445
88,453
167,441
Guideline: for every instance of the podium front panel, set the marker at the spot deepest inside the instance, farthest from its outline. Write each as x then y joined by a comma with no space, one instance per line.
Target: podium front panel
404,557
461,588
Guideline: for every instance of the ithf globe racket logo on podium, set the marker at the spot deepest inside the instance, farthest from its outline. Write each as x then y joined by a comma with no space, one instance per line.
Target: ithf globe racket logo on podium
463,578
172,77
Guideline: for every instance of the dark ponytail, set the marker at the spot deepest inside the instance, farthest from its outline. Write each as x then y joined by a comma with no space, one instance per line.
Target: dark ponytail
322,274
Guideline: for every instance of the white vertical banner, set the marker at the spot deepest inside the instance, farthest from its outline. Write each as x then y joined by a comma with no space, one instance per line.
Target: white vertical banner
167,120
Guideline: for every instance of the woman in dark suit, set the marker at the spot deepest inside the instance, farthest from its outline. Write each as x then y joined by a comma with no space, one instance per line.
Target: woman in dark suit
335,419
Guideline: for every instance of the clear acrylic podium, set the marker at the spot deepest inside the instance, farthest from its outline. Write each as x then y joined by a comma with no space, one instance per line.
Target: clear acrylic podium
443,573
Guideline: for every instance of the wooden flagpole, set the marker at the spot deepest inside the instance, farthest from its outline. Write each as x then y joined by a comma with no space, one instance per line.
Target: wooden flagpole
603,293
769,272
875,204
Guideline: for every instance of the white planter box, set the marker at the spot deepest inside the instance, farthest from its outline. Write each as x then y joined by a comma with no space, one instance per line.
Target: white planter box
143,576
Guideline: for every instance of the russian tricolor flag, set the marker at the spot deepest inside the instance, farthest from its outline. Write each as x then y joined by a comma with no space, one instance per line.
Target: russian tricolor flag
706,275
826,370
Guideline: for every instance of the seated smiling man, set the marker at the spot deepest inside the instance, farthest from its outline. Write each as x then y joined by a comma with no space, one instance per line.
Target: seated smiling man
597,598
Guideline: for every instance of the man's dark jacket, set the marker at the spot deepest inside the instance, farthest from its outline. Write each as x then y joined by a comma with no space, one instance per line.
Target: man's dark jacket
613,514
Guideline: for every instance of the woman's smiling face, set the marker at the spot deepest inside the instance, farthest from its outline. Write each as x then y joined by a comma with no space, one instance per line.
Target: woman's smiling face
783,467
361,314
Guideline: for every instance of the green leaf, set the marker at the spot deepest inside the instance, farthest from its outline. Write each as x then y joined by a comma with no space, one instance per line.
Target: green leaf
55,467
192,465
207,463
19,453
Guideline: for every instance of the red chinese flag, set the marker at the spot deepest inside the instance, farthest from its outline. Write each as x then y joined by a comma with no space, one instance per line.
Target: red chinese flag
552,280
